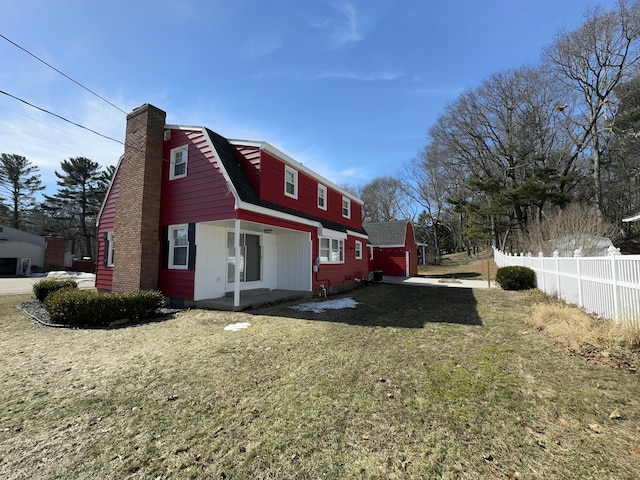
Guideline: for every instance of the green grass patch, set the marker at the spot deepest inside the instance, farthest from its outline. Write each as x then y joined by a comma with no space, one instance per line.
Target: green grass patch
416,382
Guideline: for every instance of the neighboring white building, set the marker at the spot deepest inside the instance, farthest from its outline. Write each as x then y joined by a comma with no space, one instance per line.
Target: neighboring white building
20,251
589,245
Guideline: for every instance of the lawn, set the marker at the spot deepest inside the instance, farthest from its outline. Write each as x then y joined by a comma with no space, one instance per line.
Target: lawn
413,383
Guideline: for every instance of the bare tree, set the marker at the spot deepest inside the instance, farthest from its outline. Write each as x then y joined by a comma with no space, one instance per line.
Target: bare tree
575,227
384,200
500,153
593,60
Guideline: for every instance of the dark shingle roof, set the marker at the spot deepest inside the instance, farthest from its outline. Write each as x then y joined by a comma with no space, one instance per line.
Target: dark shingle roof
247,193
386,233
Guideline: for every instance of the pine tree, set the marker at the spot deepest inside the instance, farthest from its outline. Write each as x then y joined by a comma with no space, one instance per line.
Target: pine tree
20,182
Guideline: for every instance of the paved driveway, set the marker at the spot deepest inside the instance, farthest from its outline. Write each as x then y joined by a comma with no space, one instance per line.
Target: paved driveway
440,282
20,285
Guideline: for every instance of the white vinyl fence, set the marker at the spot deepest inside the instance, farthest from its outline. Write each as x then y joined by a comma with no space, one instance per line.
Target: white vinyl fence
607,286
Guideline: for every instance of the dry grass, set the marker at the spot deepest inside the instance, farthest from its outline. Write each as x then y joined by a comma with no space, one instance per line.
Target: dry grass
586,334
460,265
415,382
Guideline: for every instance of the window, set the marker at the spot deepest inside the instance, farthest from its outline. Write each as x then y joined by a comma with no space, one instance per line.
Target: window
290,182
358,250
178,246
110,248
178,167
331,250
322,197
346,207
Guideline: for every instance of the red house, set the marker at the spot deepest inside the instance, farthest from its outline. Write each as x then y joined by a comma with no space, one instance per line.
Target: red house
199,216
393,248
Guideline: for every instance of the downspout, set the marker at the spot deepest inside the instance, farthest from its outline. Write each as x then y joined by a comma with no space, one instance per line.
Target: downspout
407,270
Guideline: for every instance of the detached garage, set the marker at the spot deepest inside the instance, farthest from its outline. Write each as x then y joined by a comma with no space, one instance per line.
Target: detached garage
20,252
393,248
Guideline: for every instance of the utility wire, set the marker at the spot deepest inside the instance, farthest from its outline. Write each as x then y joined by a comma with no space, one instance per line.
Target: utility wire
61,117
63,74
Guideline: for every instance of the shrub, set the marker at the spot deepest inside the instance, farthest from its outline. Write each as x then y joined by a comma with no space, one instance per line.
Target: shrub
91,308
516,278
43,288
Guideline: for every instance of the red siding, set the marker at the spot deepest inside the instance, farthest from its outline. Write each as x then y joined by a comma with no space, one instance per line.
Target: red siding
177,283
104,275
272,188
202,195
334,276
390,260
393,262
412,247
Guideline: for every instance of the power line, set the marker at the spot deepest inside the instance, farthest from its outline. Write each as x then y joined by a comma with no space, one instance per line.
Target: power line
62,73
61,117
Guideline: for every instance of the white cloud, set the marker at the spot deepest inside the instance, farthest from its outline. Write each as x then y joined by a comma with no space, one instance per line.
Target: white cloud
365,77
344,28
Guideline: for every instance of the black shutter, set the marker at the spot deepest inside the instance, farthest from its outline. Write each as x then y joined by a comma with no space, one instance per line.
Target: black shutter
165,247
105,237
191,236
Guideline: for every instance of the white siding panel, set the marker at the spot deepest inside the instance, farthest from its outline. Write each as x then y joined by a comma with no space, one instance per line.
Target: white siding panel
210,262
295,262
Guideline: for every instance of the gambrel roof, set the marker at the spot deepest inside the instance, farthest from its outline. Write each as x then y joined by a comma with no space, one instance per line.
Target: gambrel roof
387,234
247,193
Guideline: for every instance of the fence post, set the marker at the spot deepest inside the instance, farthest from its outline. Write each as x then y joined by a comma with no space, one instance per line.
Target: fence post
541,257
613,251
556,257
577,253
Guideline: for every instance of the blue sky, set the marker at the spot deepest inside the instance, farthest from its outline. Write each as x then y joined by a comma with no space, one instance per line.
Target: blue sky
347,87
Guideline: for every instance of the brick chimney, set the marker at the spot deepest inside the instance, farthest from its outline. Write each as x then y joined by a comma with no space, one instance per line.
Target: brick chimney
137,222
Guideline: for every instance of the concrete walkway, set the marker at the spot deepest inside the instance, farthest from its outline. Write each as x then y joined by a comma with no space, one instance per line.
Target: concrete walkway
440,282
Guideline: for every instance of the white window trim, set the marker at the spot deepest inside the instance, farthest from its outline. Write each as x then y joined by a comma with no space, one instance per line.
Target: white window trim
339,243
323,189
348,204
111,251
358,250
295,182
172,163
172,246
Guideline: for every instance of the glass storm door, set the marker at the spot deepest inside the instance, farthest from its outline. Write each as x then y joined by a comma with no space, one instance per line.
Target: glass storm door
250,260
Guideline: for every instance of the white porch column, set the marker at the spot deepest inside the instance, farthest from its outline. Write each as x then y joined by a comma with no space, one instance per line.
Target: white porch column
236,270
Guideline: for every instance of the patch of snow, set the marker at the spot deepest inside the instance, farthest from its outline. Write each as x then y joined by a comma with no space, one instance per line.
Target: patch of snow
63,274
319,307
234,327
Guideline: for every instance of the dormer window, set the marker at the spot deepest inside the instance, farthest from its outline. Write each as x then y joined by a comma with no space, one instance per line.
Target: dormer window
322,197
346,207
178,168
290,182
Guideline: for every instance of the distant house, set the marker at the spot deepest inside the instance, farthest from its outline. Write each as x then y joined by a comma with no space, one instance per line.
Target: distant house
20,252
199,216
588,245
393,248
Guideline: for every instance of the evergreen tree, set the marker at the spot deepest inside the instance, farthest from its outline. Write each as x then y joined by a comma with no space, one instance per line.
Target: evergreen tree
19,181
78,201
